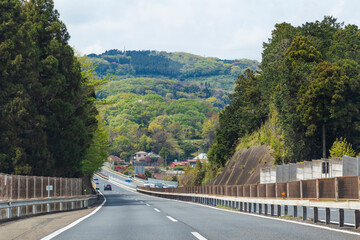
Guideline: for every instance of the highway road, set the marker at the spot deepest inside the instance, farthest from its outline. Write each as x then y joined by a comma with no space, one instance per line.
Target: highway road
334,213
130,215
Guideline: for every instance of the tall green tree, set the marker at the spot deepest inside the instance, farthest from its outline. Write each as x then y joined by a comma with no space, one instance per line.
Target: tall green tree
47,113
245,114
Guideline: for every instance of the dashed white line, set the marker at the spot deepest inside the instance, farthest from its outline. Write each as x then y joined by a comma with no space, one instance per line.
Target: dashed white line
172,219
198,236
148,205
156,209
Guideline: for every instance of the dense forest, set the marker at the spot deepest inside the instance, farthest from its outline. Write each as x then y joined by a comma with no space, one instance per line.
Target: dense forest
166,103
309,83
48,122
184,67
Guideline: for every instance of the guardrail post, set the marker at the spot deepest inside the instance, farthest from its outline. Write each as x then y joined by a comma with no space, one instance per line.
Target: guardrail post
295,211
327,215
336,189
279,210
304,213
265,209
286,210
356,218
18,211
260,208
276,192
301,190
316,215
341,217
249,207
34,209
241,206
271,210
61,206
254,207
9,211
48,207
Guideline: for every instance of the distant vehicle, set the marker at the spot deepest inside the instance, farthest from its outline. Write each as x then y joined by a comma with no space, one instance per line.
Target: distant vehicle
128,180
107,187
96,181
159,185
170,186
146,184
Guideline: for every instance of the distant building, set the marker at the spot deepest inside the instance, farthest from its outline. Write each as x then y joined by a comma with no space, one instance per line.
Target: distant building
202,157
140,156
115,159
176,164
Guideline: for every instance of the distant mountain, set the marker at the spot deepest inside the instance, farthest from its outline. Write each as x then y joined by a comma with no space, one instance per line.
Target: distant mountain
164,102
185,67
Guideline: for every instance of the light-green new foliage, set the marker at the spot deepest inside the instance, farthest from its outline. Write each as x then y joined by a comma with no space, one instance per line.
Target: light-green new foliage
341,147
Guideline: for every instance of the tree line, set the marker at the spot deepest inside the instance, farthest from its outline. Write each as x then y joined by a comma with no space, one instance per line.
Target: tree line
48,121
309,80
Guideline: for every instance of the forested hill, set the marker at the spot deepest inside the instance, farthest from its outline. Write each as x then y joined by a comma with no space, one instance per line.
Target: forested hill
163,102
185,67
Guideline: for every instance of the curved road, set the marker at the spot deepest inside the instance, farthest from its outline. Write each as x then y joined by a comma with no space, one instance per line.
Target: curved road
130,215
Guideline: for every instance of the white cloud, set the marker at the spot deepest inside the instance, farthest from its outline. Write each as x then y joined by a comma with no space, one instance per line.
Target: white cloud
219,28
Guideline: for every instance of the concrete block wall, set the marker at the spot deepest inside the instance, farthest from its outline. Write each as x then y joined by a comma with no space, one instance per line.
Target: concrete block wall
336,167
310,170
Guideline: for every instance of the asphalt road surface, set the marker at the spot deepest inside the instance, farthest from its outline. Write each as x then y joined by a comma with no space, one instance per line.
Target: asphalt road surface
334,213
130,215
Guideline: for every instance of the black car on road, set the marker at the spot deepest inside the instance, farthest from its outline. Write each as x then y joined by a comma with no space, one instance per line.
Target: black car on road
107,187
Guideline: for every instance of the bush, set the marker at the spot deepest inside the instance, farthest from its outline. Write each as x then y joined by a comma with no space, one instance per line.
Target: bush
341,147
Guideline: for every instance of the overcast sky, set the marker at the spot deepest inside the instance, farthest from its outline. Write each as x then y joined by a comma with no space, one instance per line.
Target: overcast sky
227,29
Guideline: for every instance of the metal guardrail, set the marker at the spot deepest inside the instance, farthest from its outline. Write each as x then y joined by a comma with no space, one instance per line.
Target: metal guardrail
340,193
336,189
21,207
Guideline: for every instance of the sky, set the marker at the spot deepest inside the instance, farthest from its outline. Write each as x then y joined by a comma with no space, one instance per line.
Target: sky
227,29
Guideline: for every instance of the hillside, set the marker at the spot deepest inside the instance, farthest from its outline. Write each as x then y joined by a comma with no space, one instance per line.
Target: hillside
309,80
185,68
244,166
167,103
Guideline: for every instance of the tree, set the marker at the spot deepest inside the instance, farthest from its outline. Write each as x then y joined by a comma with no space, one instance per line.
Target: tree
341,147
245,114
97,153
330,98
315,99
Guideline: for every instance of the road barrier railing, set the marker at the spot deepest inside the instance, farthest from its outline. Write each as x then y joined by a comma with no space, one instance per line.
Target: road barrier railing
30,195
339,192
21,207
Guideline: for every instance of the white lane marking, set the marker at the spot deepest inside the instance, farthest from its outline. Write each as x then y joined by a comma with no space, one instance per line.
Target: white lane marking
172,219
54,234
198,236
156,209
148,205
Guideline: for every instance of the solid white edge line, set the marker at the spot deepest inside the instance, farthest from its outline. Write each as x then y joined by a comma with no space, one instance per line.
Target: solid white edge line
156,209
172,219
198,236
259,216
61,230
